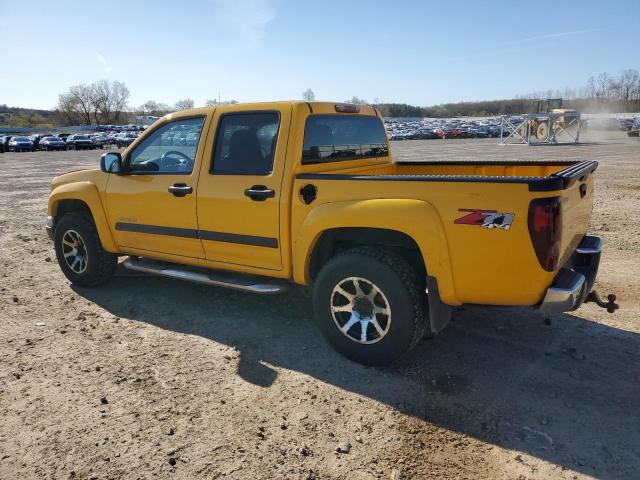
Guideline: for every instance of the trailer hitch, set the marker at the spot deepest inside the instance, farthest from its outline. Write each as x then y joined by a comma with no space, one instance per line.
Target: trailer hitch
611,305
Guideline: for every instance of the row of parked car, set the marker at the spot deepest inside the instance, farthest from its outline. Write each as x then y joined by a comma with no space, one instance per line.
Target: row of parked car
65,141
450,128
489,127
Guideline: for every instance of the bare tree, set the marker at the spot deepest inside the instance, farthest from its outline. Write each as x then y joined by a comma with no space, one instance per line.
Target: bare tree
119,98
591,85
100,100
69,108
185,104
357,101
628,83
101,103
151,107
308,95
213,102
82,98
603,85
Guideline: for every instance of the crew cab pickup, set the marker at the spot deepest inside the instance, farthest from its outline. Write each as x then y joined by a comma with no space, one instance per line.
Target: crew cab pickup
269,194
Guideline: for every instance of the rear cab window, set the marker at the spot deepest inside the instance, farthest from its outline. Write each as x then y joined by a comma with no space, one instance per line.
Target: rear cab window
335,138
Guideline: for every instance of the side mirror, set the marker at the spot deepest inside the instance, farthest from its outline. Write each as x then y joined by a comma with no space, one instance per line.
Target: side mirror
111,162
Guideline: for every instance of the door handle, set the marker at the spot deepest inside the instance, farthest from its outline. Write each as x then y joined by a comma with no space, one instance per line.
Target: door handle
180,189
259,193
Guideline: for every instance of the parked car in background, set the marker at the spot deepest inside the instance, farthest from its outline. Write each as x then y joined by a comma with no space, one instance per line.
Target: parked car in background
634,131
626,124
460,133
37,137
426,134
64,136
20,144
479,132
3,143
125,139
494,131
52,143
78,142
100,140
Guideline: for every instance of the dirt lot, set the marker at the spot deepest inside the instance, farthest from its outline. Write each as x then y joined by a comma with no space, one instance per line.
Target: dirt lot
154,378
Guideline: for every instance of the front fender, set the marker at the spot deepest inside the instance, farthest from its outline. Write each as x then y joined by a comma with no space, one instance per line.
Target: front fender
415,218
86,192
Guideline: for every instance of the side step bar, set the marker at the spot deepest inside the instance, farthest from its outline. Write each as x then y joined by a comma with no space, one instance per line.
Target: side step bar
246,283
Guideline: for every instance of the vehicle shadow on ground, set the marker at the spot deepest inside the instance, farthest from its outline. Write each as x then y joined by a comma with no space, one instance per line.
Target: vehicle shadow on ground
565,392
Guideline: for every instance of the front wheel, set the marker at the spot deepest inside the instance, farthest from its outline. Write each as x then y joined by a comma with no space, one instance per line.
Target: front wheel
79,251
370,305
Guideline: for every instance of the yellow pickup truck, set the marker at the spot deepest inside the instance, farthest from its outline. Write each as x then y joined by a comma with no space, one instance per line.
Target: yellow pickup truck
258,196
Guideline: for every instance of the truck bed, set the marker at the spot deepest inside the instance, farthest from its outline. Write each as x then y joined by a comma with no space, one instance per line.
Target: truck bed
485,263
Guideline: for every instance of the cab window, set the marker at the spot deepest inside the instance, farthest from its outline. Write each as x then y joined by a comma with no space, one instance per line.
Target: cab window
245,143
169,149
335,138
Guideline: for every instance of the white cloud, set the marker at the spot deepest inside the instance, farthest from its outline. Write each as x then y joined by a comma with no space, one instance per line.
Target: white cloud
525,44
245,21
555,35
107,67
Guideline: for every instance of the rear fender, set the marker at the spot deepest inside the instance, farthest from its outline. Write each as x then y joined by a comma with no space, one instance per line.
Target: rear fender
415,218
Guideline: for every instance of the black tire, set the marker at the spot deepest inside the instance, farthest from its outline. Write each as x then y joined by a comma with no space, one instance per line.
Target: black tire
400,286
100,264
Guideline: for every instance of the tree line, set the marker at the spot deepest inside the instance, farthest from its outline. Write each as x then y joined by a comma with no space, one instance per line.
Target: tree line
105,102
98,102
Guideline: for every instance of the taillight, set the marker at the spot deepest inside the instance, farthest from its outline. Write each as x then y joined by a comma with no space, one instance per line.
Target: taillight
545,229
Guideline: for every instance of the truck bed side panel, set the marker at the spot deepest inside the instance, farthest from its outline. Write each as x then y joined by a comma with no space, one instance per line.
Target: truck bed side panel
489,265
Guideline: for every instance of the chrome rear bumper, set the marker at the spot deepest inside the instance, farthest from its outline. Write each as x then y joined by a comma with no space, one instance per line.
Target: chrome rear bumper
573,283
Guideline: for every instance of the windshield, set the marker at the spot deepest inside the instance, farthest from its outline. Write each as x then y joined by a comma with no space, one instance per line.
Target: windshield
21,139
332,138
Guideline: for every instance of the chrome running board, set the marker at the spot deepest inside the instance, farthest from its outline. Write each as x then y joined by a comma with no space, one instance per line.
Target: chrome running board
246,283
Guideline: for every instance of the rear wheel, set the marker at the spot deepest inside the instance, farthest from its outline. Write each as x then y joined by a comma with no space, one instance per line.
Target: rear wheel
79,251
370,305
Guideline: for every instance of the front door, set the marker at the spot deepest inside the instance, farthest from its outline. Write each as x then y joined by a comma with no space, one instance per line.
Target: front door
153,207
240,187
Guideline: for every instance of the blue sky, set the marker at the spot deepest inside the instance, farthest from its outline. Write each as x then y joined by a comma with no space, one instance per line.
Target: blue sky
418,52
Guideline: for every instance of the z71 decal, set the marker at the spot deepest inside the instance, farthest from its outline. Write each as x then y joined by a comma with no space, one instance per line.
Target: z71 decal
485,218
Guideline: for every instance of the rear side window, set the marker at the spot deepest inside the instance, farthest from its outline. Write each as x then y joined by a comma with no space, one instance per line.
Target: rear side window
246,143
334,138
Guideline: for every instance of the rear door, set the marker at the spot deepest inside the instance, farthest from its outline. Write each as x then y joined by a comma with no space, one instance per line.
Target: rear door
239,191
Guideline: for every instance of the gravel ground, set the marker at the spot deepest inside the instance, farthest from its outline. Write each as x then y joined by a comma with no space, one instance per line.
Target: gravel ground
153,378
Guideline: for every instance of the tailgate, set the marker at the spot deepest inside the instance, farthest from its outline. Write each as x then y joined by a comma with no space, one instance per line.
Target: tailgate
577,202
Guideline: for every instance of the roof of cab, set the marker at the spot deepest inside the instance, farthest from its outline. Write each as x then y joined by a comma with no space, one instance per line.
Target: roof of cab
314,107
